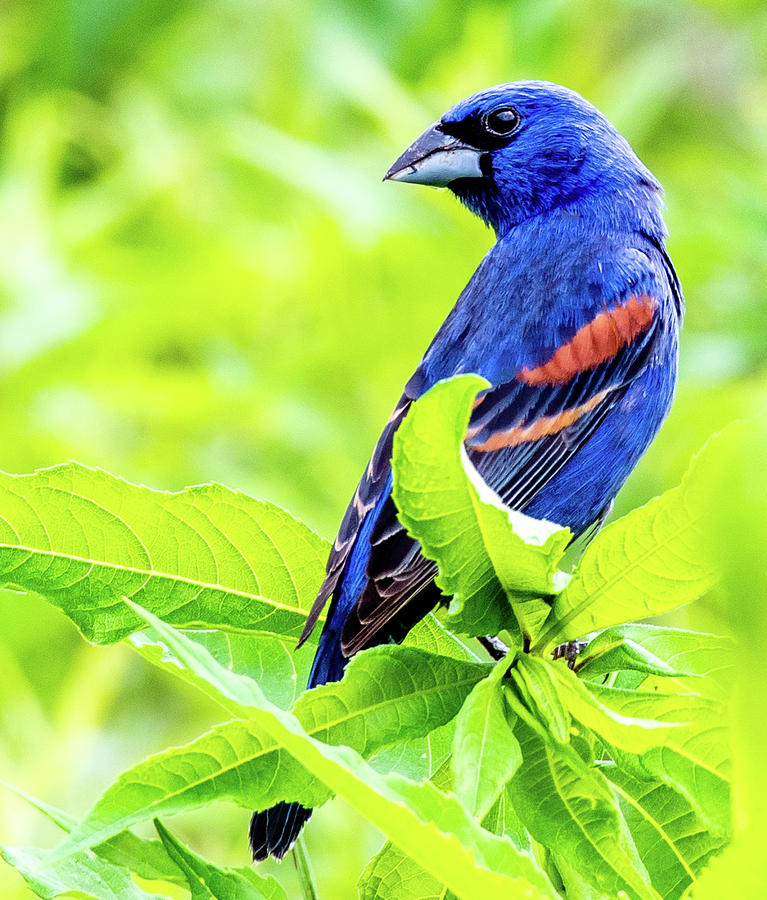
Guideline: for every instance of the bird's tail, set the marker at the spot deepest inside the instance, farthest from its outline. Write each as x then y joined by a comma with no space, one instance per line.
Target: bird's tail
274,831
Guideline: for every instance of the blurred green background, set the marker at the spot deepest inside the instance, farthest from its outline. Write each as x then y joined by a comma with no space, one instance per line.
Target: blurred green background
203,278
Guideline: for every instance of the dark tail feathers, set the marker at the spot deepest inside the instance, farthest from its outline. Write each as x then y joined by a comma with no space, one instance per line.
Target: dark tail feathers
274,831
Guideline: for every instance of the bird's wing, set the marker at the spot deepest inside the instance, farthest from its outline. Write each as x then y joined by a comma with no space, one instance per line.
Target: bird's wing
523,430
369,491
521,433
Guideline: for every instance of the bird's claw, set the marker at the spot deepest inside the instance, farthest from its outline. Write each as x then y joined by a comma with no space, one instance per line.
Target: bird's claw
569,651
494,646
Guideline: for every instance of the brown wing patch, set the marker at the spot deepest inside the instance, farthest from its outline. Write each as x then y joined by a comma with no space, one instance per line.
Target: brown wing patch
595,343
396,573
364,499
390,604
538,428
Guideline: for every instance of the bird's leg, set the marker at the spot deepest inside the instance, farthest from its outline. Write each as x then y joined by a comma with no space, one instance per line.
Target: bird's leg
494,646
569,651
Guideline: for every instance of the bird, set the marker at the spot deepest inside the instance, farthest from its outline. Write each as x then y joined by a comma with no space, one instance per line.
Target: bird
572,317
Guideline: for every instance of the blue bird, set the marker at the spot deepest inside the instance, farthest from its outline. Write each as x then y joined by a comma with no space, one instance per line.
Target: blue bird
573,317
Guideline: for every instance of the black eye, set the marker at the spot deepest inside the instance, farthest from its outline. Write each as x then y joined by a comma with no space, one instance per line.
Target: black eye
501,122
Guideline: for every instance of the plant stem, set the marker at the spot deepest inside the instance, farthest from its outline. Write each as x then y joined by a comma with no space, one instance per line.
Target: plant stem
304,869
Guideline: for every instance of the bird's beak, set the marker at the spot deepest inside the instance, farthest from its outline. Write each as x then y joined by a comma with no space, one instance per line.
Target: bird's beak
435,158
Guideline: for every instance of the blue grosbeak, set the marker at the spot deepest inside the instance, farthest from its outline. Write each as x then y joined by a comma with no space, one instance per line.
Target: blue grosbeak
573,317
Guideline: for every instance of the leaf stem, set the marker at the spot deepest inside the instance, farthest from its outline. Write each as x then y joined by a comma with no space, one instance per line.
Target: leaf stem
304,869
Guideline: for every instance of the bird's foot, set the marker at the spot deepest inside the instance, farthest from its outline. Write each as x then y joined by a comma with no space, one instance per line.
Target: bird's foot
494,646
569,651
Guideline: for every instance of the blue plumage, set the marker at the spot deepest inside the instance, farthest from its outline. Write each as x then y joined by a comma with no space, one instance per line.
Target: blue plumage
572,316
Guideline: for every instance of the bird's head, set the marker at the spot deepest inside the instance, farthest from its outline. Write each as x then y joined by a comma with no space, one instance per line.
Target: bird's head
520,149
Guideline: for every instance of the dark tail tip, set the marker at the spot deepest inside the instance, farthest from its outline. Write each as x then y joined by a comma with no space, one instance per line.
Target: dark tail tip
274,831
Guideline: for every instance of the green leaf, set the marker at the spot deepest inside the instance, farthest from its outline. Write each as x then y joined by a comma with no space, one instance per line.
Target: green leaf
430,634
694,761
270,659
439,834
485,752
649,562
83,874
738,501
503,819
418,759
484,550
655,650
388,694
147,858
237,761
273,661
209,882
568,807
392,875
631,733
206,556
671,839
534,679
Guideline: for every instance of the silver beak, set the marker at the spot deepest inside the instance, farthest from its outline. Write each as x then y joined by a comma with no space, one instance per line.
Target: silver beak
435,158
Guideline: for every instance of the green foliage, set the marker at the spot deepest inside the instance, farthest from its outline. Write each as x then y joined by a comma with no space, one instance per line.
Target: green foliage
87,540
485,752
147,858
655,650
83,873
671,838
202,277
519,778
209,882
568,807
434,828
486,552
653,561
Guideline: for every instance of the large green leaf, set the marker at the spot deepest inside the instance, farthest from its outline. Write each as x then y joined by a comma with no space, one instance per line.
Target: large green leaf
388,695
674,658
485,752
671,839
206,556
83,875
650,561
568,807
392,875
696,761
632,733
418,759
656,650
484,550
433,827
270,659
209,882
147,858
430,634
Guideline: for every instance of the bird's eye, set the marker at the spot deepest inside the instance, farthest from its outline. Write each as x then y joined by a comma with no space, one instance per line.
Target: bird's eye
501,122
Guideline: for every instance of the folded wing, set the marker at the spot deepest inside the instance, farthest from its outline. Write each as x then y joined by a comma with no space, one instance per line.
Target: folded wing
523,430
